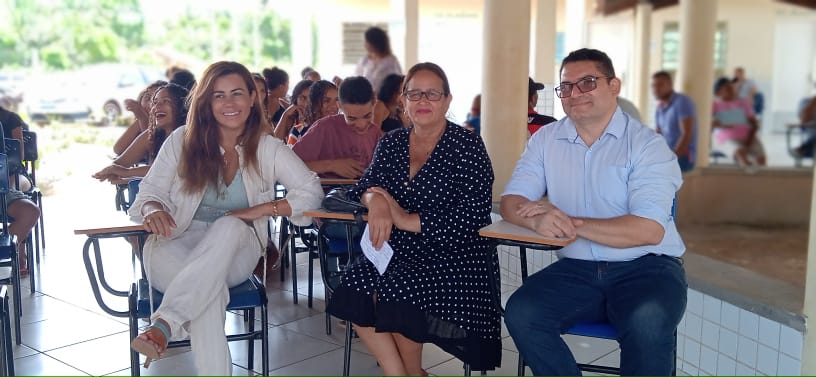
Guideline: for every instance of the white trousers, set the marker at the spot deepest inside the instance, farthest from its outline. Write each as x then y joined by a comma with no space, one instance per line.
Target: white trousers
195,272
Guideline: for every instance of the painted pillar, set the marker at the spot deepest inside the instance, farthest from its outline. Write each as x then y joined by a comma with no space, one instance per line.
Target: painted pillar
505,62
695,75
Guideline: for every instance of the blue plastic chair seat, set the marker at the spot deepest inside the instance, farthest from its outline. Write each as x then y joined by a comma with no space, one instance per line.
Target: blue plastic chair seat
594,330
248,295
6,246
338,246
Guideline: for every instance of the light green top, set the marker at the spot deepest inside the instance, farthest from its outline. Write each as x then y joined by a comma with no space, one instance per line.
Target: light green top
217,201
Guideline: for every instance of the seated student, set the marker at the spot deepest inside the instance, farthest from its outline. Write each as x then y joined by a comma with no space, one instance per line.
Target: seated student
428,192
734,123
141,112
260,85
168,112
206,201
342,145
293,120
388,113
308,73
807,117
535,120
277,82
474,117
20,208
610,183
322,103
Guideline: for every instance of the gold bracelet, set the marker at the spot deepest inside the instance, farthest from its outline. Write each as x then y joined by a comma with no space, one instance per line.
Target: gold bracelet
275,208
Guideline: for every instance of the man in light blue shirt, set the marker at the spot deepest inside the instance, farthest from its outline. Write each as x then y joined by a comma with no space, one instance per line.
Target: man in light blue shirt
610,183
676,119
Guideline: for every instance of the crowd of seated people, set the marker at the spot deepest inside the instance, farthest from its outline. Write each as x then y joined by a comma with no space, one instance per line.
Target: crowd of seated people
168,111
215,154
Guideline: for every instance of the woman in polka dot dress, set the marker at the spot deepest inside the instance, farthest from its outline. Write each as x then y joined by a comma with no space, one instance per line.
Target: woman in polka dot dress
428,192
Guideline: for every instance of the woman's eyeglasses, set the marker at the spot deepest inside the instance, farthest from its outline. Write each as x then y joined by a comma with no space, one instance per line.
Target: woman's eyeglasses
584,85
416,95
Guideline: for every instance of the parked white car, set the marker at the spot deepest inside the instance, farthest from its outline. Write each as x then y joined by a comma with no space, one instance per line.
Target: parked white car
95,93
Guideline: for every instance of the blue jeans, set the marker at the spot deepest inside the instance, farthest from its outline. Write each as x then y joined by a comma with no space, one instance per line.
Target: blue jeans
644,299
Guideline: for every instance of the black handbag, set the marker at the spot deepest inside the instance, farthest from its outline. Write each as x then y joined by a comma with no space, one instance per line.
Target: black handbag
337,201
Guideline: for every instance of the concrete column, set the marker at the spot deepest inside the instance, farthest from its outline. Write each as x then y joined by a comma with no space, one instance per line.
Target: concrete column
576,25
302,37
404,31
641,74
505,62
411,34
695,75
809,309
543,41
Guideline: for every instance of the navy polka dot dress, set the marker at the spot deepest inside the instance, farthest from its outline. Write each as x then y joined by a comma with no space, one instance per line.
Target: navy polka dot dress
436,288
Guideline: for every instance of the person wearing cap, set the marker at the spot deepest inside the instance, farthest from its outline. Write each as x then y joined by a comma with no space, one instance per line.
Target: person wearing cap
534,119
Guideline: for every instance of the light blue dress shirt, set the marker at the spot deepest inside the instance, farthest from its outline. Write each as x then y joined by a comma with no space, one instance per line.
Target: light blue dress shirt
628,170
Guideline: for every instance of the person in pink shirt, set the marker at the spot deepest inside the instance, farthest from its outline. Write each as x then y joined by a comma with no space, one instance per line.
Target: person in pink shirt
342,146
734,123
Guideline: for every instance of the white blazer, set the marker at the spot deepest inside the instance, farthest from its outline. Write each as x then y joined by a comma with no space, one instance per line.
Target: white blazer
276,161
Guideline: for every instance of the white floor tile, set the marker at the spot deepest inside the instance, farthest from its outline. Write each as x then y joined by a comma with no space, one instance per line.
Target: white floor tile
315,327
285,347
60,332
98,356
453,367
42,365
331,364
282,310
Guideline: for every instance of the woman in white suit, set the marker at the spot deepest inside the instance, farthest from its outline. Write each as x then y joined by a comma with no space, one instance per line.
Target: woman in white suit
207,199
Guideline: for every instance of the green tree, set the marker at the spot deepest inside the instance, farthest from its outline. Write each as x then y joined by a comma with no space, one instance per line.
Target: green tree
70,33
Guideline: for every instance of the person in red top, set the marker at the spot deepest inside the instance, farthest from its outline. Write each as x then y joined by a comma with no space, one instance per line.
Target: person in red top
534,119
342,145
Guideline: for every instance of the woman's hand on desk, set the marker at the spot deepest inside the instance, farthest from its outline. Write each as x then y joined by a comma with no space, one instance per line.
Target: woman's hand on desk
159,222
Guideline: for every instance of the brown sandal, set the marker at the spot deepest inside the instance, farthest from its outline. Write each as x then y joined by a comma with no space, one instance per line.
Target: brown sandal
146,343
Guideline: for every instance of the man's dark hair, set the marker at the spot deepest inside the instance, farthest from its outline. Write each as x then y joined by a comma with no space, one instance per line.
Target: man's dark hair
275,77
183,78
602,61
662,74
356,90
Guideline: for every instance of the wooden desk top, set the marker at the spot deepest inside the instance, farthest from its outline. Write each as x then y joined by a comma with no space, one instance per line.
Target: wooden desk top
123,181
507,231
324,214
337,182
125,225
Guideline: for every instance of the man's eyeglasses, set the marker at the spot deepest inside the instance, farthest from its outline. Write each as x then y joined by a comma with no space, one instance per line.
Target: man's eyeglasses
416,95
584,85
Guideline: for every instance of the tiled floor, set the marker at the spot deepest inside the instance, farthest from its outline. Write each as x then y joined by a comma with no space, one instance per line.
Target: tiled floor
65,332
